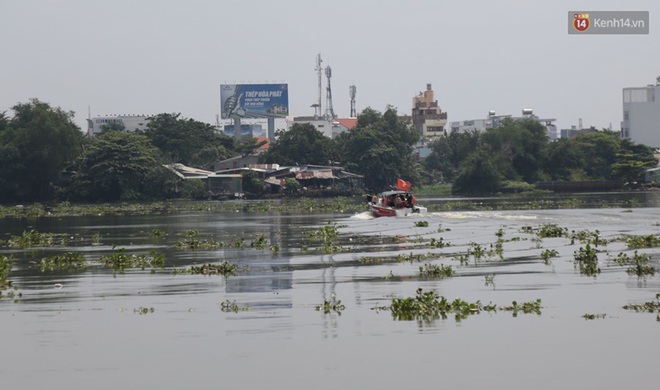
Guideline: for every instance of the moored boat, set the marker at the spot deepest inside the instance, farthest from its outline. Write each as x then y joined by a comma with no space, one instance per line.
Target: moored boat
395,203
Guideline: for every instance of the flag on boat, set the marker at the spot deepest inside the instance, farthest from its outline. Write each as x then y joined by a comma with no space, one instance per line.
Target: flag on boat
402,185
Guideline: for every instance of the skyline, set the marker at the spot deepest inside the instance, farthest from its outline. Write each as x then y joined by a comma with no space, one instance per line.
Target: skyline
150,57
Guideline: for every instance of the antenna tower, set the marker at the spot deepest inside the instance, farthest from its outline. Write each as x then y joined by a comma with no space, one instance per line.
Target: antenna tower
352,91
329,112
319,71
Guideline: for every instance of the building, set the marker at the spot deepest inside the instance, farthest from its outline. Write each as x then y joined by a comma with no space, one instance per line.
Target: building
129,122
329,127
641,114
427,118
493,121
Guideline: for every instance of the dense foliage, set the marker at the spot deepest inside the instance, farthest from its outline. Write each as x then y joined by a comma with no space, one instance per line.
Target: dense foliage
302,144
36,144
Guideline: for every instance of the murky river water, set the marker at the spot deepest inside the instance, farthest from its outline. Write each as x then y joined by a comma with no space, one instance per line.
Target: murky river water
86,330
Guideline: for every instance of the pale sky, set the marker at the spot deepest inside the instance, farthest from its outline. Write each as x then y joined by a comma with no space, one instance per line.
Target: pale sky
155,56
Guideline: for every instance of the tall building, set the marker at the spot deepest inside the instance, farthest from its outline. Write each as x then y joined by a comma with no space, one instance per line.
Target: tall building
494,121
641,114
427,118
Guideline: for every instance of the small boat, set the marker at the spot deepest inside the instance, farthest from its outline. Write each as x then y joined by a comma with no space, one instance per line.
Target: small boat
395,203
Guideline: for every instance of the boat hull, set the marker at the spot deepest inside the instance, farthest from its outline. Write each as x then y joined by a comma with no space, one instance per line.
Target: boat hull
380,211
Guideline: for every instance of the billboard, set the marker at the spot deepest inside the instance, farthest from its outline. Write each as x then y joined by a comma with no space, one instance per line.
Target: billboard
254,100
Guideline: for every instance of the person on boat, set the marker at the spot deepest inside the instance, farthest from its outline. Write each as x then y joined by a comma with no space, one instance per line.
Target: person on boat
398,203
374,199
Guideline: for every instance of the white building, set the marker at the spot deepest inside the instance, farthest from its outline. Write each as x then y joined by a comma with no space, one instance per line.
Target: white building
493,121
130,123
641,115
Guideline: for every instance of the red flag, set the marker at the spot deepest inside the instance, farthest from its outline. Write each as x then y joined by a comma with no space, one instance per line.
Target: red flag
402,185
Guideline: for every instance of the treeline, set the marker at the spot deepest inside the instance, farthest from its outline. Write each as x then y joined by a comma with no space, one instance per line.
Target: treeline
44,156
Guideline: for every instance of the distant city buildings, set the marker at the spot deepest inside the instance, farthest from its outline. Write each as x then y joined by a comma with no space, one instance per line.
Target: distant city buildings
641,114
130,123
494,121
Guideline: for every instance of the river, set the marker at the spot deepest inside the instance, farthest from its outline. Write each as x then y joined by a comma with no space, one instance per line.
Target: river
98,328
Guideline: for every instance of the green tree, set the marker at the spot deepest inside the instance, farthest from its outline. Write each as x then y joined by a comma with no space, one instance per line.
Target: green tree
478,174
562,161
188,141
114,166
301,144
380,148
448,152
598,153
36,145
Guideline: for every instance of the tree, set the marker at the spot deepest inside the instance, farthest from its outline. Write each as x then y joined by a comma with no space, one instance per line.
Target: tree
188,141
477,174
380,148
598,153
36,145
114,167
448,152
301,144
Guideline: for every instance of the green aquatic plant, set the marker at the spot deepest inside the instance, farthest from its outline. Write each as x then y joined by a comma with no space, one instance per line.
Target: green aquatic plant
332,305
638,264
157,233
648,241
143,310
593,316
646,307
437,243
231,306
489,280
370,260
422,224
260,242
587,260
410,258
224,269
429,306
587,237
547,254
477,251
69,261
434,271
120,261
7,288
96,238
531,307
551,231
31,238
192,241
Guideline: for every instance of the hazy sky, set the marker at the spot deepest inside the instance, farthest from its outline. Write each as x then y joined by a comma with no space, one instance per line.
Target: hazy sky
155,56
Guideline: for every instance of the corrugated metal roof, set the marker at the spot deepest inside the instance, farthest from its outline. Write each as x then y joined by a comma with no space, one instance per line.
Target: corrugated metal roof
318,174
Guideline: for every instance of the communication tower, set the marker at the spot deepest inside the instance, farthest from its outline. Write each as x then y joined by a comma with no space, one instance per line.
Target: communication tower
329,112
319,71
352,90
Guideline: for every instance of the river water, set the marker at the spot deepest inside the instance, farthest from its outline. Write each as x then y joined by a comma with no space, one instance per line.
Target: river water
144,329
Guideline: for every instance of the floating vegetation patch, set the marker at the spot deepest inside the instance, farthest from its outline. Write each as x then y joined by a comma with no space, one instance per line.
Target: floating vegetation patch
224,269
437,243
647,307
69,261
370,260
120,261
433,271
550,231
531,307
332,305
7,289
429,306
422,224
143,310
547,254
31,239
587,260
260,242
587,237
327,237
157,233
191,241
648,241
489,280
638,264
232,307
593,316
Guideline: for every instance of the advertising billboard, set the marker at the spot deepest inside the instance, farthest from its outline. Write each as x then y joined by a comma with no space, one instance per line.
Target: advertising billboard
254,100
